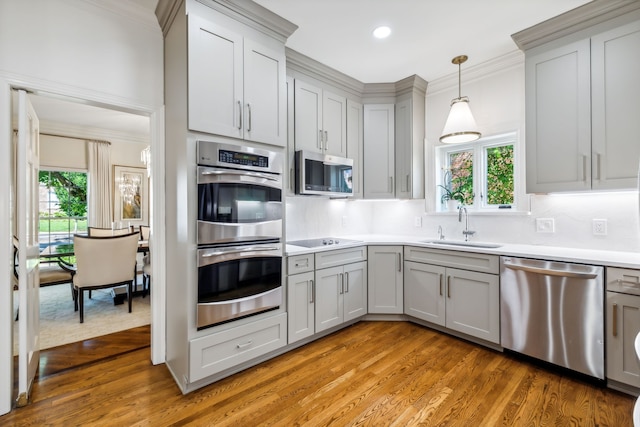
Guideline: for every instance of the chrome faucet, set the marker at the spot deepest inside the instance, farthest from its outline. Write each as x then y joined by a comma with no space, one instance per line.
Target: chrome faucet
466,230
440,233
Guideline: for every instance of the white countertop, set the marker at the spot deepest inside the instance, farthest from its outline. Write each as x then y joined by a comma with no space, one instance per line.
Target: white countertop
553,253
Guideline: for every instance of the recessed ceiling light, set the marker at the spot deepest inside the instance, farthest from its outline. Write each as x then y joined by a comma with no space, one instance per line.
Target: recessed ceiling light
381,32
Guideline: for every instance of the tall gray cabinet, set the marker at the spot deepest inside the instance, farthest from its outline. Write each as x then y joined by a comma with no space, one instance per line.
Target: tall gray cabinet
225,81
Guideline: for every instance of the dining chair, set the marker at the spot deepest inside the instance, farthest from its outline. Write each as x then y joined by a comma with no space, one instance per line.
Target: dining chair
145,232
104,232
103,262
146,275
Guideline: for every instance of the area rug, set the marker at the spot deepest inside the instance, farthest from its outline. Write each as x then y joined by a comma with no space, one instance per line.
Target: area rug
60,324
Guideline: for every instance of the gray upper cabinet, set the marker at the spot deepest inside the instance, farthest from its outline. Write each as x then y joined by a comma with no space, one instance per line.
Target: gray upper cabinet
558,119
615,90
581,110
236,85
320,120
379,151
355,140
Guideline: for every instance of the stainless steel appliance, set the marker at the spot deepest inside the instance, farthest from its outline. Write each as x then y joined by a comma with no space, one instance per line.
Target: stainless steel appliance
239,194
554,312
239,232
323,174
238,281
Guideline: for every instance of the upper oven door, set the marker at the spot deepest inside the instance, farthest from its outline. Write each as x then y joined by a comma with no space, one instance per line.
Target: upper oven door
238,206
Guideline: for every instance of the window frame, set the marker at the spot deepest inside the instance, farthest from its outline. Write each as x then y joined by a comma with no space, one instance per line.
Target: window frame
479,151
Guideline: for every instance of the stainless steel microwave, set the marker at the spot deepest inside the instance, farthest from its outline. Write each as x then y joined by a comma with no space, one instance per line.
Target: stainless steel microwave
323,174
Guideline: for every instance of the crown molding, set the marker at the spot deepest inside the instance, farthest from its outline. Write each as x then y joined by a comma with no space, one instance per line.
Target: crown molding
312,68
577,19
483,70
412,84
244,11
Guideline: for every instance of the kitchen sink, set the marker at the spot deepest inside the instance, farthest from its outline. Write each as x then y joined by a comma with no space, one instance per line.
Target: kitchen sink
323,241
461,243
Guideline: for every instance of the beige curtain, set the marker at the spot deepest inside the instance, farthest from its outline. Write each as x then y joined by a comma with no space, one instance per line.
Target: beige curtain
99,195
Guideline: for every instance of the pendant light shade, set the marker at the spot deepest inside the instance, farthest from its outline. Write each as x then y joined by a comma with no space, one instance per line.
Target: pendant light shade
460,125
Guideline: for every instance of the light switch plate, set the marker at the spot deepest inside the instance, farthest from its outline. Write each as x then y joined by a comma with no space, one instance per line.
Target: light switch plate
545,225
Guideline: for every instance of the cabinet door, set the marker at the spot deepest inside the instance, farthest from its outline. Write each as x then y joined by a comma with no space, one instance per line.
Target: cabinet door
385,279
334,124
623,324
329,299
355,290
355,140
403,152
215,79
379,157
265,102
615,62
558,119
300,306
473,304
424,292
308,116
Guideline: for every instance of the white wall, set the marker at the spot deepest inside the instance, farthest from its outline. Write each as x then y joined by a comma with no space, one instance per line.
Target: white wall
497,102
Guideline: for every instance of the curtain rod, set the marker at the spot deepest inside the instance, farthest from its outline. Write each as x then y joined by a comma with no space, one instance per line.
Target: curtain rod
75,137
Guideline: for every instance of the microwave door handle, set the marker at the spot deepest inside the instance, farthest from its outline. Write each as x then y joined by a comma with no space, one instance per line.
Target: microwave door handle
240,250
245,173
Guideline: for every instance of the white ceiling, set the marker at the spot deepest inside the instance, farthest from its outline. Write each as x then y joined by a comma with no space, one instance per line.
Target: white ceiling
426,35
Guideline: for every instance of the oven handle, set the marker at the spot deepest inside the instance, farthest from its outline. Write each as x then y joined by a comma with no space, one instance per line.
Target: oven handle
240,250
243,173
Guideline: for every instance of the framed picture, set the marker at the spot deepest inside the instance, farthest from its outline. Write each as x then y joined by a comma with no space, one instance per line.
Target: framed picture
131,198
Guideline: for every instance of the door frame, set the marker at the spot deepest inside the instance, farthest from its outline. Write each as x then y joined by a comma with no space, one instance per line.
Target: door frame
157,220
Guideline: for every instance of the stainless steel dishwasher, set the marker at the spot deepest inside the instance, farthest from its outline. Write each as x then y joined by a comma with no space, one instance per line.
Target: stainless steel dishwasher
554,311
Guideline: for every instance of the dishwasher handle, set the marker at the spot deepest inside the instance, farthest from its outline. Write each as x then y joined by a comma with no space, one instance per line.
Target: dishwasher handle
550,271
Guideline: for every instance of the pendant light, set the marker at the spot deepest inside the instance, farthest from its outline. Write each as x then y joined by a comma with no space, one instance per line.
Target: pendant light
460,125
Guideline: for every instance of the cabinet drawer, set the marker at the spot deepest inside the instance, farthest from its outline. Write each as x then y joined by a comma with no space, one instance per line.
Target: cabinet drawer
464,260
340,257
223,350
623,280
300,264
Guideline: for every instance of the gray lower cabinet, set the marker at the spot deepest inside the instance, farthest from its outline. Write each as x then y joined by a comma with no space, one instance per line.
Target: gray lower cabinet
459,299
214,353
341,294
327,290
622,325
385,280
300,306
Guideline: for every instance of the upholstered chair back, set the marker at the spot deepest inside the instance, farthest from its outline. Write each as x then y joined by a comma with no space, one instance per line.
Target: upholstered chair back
104,260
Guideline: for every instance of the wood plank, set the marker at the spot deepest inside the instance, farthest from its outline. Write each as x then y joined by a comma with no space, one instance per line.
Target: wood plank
372,373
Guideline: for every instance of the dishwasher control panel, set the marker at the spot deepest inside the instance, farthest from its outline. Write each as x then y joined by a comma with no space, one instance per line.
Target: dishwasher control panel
623,280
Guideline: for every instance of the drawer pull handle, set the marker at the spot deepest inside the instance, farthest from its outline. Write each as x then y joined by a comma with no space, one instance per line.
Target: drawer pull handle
440,284
448,286
313,292
615,320
245,345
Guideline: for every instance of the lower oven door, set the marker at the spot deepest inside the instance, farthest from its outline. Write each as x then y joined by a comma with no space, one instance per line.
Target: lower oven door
238,281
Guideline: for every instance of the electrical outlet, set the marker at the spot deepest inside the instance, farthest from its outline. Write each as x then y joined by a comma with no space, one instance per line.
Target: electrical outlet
345,221
600,227
545,225
417,221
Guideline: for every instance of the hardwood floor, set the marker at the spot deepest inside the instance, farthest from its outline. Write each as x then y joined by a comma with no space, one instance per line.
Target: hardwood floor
370,374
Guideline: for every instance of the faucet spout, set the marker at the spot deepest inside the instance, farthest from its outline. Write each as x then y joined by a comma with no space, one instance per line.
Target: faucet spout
466,230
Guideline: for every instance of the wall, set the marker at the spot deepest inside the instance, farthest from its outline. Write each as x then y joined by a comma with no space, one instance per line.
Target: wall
497,102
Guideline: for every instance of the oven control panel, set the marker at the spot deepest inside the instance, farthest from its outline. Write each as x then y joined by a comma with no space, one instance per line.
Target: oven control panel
245,159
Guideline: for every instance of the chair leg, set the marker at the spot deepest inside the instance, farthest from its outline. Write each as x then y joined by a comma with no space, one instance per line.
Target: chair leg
81,304
130,294
75,299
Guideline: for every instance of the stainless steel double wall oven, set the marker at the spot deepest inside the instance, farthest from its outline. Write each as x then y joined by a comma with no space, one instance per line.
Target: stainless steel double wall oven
239,232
